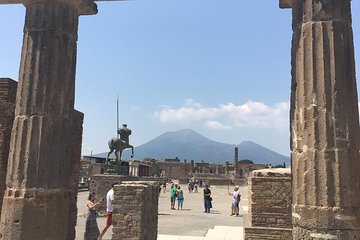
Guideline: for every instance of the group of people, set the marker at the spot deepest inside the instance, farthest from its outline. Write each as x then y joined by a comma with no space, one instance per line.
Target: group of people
92,231
176,193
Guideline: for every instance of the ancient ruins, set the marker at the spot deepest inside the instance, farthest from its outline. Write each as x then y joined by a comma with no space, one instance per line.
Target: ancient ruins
44,147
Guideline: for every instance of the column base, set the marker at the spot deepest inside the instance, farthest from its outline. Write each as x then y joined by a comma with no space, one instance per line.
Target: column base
45,209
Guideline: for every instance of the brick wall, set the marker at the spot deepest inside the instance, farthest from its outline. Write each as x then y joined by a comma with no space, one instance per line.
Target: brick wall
100,184
269,204
7,110
135,215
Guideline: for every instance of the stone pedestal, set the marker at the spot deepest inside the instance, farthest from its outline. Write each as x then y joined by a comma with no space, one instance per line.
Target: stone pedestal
7,114
269,205
324,122
37,199
135,213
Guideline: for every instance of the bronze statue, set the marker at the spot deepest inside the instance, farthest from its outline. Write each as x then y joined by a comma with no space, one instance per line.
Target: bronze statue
119,144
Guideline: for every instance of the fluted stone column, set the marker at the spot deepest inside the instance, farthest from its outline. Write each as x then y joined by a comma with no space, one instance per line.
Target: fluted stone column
78,119
36,203
324,122
7,112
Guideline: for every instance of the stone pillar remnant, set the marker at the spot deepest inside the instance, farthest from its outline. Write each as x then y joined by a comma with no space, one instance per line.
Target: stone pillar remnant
7,110
269,204
324,122
135,213
37,197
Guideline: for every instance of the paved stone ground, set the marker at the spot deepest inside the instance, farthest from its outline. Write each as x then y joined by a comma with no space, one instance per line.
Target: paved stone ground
191,221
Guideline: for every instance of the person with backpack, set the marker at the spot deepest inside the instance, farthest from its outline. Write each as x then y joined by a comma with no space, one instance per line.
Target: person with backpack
180,197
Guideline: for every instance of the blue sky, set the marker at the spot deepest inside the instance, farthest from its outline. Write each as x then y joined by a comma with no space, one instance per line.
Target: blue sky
221,68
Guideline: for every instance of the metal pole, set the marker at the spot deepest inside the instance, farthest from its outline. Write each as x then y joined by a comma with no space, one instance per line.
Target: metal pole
117,115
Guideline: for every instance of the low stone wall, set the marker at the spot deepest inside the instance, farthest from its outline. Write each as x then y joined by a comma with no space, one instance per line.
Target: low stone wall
269,204
135,215
216,181
265,233
100,184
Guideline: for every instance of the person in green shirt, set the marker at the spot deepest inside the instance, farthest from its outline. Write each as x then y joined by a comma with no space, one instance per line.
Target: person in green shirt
173,192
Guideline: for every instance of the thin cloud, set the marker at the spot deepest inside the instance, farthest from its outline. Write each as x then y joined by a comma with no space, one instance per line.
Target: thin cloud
216,125
251,114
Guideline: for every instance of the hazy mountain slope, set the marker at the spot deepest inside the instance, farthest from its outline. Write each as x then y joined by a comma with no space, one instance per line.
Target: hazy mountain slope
188,144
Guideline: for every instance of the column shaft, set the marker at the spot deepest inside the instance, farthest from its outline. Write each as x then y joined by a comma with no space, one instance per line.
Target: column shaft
36,201
324,122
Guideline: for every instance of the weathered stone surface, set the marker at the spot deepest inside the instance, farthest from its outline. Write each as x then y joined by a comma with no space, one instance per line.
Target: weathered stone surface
324,122
135,213
100,184
7,113
264,233
78,119
269,204
37,198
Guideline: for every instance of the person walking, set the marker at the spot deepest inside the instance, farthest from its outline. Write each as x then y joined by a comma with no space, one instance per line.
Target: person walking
180,197
173,196
92,231
207,199
109,210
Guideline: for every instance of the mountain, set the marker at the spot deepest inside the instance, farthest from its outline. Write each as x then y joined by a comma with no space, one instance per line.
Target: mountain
190,145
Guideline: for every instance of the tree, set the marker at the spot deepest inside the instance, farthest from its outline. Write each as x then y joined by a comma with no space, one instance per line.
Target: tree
246,161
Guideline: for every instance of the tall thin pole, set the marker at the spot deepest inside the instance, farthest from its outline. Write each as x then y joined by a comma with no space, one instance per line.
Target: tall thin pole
117,115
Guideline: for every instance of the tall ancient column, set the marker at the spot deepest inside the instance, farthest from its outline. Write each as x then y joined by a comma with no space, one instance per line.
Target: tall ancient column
236,161
324,122
7,111
36,200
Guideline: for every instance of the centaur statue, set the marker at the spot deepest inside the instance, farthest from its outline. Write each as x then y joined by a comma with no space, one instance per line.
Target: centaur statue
119,144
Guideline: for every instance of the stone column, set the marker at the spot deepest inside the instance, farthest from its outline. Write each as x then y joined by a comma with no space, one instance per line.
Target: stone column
236,161
7,111
78,119
36,201
192,166
324,122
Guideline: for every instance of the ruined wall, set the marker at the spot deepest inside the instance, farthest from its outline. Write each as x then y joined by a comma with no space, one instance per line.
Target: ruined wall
8,89
135,213
100,184
269,204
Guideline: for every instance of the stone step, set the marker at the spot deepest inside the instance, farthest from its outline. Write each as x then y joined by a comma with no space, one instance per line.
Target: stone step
225,233
173,237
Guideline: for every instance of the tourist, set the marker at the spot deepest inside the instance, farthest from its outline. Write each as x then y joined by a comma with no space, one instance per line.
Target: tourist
207,199
180,197
235,199
189,186
173,196
109,210
92,231
164,187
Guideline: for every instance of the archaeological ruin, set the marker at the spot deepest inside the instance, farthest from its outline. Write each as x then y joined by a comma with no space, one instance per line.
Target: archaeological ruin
42,166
